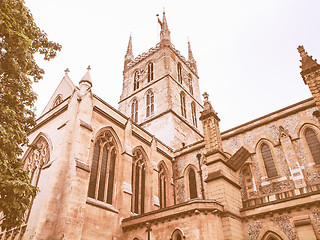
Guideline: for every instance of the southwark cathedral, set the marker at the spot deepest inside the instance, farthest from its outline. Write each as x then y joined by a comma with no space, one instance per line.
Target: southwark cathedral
158,167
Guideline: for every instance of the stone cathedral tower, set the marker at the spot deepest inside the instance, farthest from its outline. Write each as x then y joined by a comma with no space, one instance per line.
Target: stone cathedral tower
161,92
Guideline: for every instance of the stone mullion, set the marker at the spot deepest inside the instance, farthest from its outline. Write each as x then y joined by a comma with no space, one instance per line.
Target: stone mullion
107,175
98,171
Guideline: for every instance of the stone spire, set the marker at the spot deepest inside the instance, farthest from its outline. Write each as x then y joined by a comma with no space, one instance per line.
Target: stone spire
129,55
86,78
164,33
191,60
308,65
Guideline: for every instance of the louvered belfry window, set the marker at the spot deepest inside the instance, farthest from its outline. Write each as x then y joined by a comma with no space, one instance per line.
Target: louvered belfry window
150,104
150,71
179,73
101,181
194,114
183,104
313,144
134,111
268,161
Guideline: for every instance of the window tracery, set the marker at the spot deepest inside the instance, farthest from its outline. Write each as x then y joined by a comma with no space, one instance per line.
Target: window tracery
57,101
36,159
138,182
150,104
162,187
102,173
134,111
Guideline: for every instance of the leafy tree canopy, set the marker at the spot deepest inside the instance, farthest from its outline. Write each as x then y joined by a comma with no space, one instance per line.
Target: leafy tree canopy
20,39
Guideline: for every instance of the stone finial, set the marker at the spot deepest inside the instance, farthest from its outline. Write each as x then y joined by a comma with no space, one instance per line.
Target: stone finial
87,78
205,96
66,71
164,33
190,54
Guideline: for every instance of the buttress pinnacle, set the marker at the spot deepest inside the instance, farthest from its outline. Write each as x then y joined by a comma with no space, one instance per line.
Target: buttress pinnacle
129,55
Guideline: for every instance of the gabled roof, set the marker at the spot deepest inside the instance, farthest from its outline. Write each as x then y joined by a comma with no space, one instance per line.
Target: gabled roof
65,89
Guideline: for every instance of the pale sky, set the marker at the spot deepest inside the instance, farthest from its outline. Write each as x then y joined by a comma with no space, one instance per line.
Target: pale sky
246,50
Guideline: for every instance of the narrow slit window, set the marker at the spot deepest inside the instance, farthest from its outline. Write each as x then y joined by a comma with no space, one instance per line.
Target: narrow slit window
179,73
183,104
150,71
150,104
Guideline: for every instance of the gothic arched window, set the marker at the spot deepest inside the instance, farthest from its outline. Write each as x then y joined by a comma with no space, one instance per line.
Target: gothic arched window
162,187
150,71
190,83
36,159
136,80
138,182
177,235
268,161
192,184
134,111
150,104
101,181
313,144
194,114
179,73
183,104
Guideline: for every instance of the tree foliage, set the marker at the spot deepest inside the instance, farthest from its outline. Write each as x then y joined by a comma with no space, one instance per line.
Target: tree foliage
20,39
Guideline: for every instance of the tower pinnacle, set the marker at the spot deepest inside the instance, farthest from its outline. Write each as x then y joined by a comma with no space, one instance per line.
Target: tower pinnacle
164,33
191,60
129,55
308,64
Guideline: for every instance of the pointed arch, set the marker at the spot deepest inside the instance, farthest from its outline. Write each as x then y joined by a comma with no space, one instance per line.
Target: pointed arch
177,234
134,110
163,181
270,235
149,103
103,166
309,134
136,79
138,179
37,156
191,181
267,159
57,100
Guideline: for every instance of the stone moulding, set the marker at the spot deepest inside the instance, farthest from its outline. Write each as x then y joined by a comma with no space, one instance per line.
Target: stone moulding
173,213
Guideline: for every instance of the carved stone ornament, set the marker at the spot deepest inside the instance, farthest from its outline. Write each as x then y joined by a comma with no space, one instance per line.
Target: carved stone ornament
253,229
283,222
316,215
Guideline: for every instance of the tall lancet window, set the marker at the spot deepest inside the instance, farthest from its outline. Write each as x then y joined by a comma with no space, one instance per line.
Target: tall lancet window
183,104
102,172
179,73
192,184
149,103
313,144
194,114
138,182
136,80
36,159
190,83
150,71
268,161
134,111
162,187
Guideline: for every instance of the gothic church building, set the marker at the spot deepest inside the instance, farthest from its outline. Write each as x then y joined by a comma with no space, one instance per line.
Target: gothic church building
159,167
